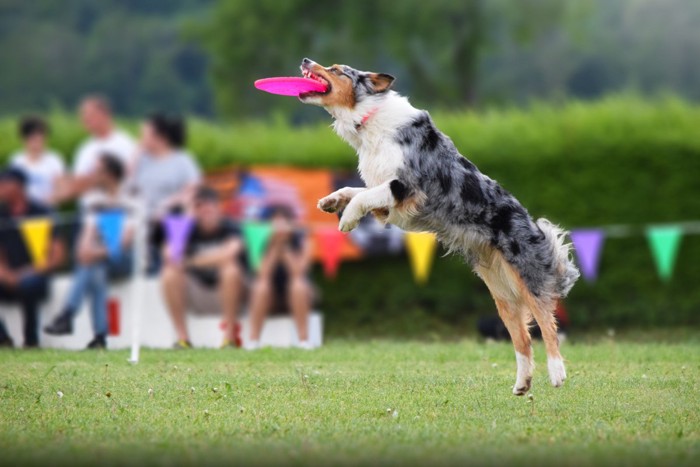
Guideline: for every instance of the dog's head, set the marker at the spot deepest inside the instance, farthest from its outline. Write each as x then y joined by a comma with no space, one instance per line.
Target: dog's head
346,87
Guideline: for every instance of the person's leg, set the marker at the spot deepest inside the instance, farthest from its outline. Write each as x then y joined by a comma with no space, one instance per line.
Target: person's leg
230,288
173,284
63,324
259,305
299,297
32,290
6,295
98,297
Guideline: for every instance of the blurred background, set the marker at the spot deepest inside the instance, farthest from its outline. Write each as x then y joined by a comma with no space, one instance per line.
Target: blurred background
587,110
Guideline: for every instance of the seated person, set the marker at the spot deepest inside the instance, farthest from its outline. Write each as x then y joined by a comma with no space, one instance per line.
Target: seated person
20,281
210,276
44,168
282,280
95,265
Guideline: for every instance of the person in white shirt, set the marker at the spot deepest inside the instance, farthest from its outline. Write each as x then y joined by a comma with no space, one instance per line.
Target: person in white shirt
43,167
105,137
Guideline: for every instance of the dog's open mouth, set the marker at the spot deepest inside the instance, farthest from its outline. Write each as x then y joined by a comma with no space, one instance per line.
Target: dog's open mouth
311,75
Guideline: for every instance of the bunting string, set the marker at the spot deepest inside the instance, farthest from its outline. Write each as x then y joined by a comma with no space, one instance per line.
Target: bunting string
664,240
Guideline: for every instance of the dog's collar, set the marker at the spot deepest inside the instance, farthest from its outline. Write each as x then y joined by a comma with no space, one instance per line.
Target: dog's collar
365,118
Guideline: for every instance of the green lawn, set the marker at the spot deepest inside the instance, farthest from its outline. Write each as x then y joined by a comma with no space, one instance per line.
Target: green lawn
353,402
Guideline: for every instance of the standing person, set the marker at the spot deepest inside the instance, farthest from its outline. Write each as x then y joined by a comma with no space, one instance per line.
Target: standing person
105,137
95,263
43,167
210,278
165,175
20,280
282,280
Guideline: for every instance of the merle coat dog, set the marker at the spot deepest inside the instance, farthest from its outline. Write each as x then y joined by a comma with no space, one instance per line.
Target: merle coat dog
417,180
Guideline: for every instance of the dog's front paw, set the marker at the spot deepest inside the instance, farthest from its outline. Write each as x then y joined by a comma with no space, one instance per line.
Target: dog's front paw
331,203
348,222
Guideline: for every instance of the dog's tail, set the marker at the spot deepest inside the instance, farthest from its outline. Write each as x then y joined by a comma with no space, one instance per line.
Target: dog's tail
566,272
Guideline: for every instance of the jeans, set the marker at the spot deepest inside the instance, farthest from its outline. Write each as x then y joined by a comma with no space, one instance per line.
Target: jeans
92,280
29,293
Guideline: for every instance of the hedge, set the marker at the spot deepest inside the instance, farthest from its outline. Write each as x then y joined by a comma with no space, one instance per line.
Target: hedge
619,160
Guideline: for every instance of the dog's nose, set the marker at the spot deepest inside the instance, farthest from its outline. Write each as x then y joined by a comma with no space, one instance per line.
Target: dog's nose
307,61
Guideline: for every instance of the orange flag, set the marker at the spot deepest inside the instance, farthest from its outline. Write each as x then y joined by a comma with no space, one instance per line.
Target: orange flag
36,234
421,249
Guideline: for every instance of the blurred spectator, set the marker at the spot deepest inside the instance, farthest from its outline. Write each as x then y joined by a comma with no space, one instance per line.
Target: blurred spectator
95,264
282,281
165,175
20,281
105,137
44,168
210,277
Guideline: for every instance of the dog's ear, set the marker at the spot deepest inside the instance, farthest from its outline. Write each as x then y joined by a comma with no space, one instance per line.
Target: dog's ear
381,82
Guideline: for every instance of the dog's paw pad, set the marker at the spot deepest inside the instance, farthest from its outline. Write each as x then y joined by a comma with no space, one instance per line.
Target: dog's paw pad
328,204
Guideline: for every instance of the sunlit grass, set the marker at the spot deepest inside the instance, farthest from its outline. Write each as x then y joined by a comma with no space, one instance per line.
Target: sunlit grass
352,402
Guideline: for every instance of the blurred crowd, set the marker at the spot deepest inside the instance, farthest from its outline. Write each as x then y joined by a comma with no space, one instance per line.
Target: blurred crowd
147,179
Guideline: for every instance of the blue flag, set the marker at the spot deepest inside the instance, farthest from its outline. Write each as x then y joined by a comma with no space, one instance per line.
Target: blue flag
110,225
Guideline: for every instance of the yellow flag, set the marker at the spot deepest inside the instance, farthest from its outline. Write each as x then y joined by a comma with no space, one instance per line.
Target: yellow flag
36,233
421,249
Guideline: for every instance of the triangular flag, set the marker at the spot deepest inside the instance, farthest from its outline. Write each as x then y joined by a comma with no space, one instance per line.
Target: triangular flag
110,225
256,236
664,243
330,242
421,249
588,244
36,233
177,231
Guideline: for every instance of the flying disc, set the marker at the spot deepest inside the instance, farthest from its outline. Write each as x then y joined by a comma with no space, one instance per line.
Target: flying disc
289,86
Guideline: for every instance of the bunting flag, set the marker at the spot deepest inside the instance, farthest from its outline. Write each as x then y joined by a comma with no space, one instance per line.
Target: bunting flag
256,236
664,243
330,241
421,249
588,245
177,230
110,225
36,234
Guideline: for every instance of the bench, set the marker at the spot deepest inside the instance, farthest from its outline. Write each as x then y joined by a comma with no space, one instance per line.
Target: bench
156,328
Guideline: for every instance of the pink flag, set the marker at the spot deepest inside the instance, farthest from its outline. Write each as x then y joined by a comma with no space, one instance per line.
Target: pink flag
177,230
330,241
588,244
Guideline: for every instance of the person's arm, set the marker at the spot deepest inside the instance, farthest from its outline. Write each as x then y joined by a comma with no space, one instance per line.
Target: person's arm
214,257
8,277
273,255
298,262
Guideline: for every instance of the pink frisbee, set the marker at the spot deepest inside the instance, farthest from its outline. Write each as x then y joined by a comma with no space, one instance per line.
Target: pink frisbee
289,86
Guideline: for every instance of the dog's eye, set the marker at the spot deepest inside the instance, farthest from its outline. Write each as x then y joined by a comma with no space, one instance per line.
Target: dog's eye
336,70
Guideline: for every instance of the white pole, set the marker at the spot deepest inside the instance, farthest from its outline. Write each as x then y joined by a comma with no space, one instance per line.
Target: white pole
137,280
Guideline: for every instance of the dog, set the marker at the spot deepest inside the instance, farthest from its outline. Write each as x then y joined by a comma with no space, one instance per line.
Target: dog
416,179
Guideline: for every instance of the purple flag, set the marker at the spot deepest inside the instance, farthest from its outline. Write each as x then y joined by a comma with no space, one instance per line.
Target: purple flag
177,230
588,244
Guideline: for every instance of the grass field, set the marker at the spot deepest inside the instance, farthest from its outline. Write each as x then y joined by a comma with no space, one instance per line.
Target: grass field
624,403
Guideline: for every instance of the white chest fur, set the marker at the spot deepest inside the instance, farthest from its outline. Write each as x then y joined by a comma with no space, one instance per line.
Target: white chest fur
380,156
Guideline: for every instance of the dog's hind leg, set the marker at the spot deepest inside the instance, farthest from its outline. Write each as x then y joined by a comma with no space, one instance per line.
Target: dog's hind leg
548,325
515,319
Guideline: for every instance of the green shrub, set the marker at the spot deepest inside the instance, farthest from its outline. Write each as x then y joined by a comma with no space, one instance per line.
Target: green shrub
621,160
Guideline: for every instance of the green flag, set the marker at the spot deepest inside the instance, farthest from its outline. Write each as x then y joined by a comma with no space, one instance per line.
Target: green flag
664,243
256,236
